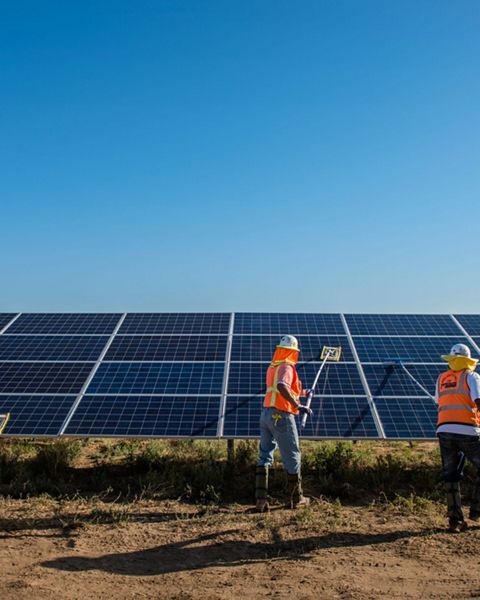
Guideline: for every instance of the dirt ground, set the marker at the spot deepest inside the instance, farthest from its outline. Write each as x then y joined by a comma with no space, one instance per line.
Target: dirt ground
173,550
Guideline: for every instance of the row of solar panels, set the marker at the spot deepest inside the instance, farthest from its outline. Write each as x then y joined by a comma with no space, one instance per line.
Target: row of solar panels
244,323
202,374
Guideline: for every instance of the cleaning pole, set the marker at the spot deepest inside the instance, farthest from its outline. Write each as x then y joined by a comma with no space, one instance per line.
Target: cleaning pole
400,363
329,353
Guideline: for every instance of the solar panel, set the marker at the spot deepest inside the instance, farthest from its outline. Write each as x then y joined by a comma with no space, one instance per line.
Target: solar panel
471,323
51,347
337,379
288,323
393,381
5,319
158,378
260,348
168,348
407,418
402,325
178,323
334,417
410,349
65,323
164,373
35,415
146,416
42,378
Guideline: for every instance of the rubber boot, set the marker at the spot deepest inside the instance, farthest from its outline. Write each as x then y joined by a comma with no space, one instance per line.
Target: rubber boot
261,488
475,505
295,492
456,522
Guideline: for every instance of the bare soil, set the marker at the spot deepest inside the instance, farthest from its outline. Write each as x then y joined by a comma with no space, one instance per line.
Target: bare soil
82,550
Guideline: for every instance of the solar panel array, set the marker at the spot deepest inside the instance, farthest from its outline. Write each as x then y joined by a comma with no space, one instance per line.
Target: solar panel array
203,374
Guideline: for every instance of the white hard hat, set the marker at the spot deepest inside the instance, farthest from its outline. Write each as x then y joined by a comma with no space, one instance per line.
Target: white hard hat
460,350
290,342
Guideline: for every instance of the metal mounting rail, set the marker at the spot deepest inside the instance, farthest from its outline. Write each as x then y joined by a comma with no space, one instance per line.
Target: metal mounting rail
223,401
91,375
10,323
465,333
366,387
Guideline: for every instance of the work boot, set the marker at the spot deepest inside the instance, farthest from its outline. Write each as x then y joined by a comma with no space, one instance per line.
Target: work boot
261,488
456,522
295,492
456,526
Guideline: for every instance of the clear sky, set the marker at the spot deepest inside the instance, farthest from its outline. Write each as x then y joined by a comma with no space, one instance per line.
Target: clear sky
240,155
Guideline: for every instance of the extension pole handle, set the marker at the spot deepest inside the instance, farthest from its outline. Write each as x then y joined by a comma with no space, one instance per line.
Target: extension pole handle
303,421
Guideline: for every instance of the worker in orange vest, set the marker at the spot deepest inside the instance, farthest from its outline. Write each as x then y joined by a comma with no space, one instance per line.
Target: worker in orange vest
278,426
458,429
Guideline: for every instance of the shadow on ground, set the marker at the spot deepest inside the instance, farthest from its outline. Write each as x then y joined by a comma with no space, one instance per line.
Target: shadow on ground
188,555
67,522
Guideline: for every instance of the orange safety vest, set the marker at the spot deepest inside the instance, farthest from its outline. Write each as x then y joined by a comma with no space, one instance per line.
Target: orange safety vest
273,398
455,404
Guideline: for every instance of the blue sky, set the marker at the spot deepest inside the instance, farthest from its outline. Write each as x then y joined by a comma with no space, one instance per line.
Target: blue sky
262,155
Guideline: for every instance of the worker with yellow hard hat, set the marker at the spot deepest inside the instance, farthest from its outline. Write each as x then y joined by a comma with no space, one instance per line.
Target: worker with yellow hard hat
458,429
277,423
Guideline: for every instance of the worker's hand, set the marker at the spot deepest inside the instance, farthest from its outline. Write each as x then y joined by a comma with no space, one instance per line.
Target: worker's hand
305,410
307,392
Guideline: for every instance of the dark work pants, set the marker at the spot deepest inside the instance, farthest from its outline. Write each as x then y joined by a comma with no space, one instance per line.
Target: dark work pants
454,449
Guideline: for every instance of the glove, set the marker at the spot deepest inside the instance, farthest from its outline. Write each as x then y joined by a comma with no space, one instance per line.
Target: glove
305,410
308,391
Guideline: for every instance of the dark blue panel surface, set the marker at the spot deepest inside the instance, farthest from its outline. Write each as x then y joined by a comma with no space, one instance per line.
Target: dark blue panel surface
35,415
336,379
471,323
158,378
402,325
168,347
5,319
407,417
410,349
261,347
288,323
43,378
65,323
333,418
51,347
184,323
152,416
393,381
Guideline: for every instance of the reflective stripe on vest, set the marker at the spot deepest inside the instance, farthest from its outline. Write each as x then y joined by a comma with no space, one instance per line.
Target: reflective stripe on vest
273,389
455,404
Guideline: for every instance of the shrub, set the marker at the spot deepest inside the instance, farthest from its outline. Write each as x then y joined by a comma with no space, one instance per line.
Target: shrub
54,459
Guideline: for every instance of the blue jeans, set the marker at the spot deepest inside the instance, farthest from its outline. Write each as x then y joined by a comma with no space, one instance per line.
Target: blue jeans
278,428
455,448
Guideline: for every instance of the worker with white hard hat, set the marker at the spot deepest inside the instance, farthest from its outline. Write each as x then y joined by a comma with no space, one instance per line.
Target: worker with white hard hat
277,423
458,429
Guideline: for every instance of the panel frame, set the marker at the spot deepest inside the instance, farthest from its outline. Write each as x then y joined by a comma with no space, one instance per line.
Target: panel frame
368,393
91,376
226,376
